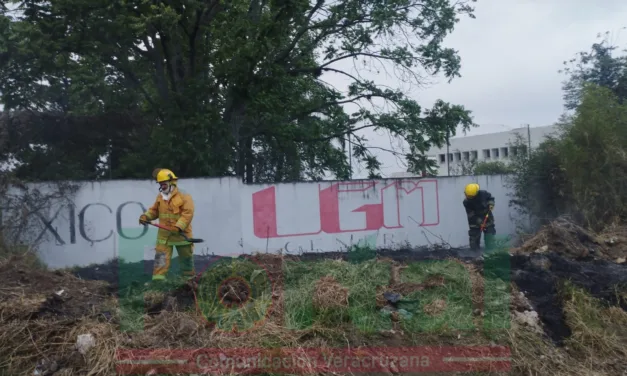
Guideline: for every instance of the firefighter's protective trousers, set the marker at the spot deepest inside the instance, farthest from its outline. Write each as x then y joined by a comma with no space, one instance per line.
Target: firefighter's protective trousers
474,232
163,258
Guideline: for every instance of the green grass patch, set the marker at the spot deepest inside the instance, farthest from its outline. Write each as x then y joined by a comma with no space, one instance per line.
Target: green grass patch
456,293
235,294
361,279
454,296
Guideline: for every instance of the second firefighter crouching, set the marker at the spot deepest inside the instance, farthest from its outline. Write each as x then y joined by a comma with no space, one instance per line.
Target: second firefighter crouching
479,203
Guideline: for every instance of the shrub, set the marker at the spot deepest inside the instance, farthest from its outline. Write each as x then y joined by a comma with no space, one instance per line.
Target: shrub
474,167
594,157
582,171
540,191
492,168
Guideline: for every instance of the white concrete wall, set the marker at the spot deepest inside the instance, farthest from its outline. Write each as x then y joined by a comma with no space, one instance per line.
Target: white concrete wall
234,218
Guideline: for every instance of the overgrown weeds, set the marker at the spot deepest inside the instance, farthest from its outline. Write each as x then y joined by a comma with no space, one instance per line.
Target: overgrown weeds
582,171
599,331
596,346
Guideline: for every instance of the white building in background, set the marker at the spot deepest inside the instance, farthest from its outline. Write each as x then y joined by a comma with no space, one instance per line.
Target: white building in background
486,148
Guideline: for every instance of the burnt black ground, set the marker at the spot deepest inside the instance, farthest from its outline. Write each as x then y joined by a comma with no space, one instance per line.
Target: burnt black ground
541,288
141,271
403,255
599,277
538,275
109,271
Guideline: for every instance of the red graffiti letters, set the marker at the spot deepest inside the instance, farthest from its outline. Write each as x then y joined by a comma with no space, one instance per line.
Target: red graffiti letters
350,207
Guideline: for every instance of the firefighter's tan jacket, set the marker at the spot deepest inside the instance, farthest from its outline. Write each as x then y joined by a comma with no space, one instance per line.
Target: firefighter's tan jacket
177,212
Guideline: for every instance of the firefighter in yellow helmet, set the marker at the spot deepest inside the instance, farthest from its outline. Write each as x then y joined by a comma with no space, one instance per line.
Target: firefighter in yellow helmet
175,210
478,203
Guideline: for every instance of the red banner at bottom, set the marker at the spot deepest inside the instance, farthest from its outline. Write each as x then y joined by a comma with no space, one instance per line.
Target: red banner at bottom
313,360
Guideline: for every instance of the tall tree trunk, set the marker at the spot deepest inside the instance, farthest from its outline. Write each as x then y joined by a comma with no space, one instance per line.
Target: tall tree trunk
234,117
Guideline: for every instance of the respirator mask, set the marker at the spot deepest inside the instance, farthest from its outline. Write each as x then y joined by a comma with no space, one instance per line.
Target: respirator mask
165,189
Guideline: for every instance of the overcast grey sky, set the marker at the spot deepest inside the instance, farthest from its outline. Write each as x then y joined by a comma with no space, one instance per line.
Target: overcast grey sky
511,54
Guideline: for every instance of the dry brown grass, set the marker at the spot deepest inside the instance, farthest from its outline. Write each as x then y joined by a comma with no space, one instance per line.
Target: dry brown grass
564,237
25,343
435,308
534,355
395,285
567,238
599,332
614,238
597,345
329,294
477,281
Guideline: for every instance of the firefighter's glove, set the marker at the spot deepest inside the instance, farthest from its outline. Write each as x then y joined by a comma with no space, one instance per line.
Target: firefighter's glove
479,221
143,220
491,207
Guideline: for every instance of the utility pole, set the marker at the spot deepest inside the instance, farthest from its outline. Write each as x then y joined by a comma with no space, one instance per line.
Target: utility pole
528,141
110,146
448,158
350,157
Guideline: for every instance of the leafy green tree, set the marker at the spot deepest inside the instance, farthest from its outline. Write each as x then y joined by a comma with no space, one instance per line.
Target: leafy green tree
234,88
598,66
539,186
62,112
580,172
594,157
49,146
475,167
492,168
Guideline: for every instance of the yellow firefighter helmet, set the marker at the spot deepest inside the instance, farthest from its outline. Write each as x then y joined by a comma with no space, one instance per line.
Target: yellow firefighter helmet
165,175
471,190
